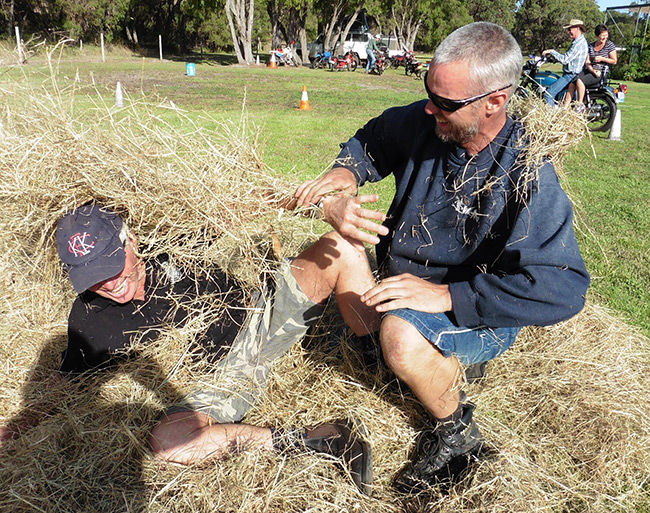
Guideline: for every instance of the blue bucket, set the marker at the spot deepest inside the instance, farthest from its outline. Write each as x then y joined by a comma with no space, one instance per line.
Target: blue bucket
191,69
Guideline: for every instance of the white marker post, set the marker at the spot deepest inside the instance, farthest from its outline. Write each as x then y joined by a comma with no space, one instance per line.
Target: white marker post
119,96
19,46
103,52
160,45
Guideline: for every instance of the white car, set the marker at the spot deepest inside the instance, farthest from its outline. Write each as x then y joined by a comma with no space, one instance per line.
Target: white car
354,42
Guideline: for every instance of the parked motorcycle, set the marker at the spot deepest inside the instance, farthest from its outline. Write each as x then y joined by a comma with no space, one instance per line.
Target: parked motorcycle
321,60
349,61
600,100
285,57
401,59
414,67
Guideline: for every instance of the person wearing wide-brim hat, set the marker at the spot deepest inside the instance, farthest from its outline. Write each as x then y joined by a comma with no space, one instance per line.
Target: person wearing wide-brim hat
573,61
575,23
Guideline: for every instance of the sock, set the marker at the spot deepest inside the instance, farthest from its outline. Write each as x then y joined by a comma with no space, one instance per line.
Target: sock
452,420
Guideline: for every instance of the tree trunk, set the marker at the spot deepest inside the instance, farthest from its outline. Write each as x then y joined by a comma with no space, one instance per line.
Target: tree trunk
334,22
240,19
406,27
348,26
276,31
303,45
12,18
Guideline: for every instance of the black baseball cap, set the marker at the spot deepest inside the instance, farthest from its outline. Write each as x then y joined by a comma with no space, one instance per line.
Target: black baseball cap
88,240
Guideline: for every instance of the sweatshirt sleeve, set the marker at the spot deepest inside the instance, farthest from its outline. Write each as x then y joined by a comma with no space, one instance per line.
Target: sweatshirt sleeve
540,277
383,144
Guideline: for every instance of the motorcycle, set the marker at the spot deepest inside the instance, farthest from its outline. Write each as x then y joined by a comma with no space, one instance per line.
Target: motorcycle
321,60
380,63
414,67
600,103
401,59
349,62
284,56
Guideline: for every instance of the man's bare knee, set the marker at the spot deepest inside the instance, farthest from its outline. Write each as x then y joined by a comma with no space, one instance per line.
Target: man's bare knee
402,344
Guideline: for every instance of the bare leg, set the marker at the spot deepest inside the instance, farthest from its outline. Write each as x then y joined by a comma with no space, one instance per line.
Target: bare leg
568,97
430,375
581,90
333,265
188,437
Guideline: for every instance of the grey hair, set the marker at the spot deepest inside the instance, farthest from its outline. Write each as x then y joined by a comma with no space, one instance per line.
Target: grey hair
493,55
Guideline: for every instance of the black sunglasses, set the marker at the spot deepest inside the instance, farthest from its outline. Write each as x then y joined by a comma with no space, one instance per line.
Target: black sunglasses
453,105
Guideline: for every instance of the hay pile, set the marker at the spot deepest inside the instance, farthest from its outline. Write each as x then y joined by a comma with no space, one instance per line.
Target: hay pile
566,410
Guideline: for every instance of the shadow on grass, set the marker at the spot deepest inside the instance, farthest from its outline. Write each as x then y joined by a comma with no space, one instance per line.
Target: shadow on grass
200,57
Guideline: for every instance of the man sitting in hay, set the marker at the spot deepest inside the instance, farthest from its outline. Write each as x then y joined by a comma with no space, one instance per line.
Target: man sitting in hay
478,241
122,297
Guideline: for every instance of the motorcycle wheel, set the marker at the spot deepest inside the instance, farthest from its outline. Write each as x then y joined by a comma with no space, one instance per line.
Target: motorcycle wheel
600,112
353,65
407,70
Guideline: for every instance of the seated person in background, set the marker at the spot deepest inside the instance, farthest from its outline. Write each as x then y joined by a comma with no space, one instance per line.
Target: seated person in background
602,55
122,296
573,61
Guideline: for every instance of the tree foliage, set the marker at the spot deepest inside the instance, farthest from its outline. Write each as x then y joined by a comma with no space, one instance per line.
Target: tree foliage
240,25
496,11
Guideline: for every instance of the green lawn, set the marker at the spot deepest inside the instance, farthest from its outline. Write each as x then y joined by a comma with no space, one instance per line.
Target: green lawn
610,191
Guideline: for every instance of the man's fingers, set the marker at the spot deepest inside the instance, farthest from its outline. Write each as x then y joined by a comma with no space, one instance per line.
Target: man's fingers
372,214
356,234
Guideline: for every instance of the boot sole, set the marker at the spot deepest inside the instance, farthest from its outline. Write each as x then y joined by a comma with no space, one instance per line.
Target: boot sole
366,476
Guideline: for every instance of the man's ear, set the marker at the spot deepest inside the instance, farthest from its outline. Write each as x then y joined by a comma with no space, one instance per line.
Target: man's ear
496,102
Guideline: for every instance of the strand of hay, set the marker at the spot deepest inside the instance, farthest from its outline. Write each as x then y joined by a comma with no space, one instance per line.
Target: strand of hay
565,411
552,132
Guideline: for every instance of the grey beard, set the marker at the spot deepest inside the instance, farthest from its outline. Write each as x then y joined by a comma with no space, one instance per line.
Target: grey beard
459,135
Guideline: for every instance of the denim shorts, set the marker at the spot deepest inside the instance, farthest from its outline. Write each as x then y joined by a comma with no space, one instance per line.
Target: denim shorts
469,345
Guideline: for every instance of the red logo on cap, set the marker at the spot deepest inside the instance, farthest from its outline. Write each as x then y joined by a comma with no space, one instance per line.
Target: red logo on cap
77,244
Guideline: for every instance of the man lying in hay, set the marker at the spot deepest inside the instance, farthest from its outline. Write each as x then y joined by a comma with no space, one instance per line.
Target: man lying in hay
476,244
121,296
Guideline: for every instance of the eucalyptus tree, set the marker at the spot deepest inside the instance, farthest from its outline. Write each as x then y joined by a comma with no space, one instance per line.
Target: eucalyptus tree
240,14
434,18
501,12
331,14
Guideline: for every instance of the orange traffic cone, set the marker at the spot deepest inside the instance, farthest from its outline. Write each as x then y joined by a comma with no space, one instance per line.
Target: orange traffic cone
273,64
304,100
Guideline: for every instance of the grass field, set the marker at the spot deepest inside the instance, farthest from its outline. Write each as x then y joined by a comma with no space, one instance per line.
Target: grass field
607,180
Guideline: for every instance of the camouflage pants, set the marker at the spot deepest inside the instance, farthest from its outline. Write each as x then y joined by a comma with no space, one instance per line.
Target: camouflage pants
275,323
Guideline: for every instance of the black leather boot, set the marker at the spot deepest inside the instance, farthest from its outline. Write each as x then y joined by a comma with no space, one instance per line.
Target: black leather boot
442,455
342,439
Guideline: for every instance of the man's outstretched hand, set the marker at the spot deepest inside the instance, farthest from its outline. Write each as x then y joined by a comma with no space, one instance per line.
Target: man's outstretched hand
342,208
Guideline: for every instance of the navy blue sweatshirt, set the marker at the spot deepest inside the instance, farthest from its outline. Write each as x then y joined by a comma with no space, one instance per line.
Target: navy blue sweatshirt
503,243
